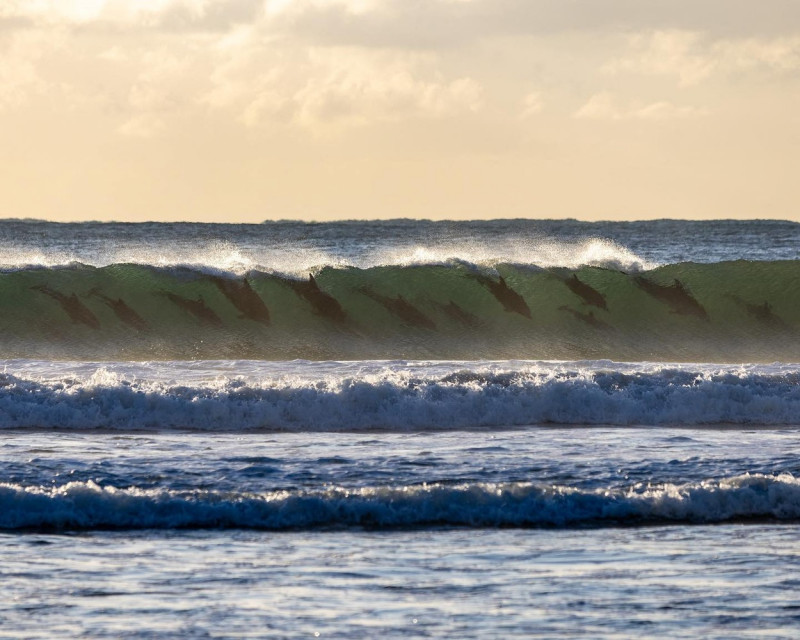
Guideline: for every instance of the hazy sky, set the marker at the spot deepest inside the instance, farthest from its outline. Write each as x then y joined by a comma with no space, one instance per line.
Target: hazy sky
246,110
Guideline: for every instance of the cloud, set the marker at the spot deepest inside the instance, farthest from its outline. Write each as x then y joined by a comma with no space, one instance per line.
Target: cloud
404,24
275,82
19,74
692,57
532,104
117,15
604,106
678,53
146,125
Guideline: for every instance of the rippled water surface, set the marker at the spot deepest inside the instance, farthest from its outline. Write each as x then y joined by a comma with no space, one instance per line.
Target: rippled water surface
666,582
342,580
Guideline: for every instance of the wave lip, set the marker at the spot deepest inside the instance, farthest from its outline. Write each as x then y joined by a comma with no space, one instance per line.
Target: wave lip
87,506
398,397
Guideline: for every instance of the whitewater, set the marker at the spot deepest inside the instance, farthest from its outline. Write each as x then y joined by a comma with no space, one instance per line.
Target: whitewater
399,428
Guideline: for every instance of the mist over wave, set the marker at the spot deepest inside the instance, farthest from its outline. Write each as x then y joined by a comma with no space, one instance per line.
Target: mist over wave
295,247
227,257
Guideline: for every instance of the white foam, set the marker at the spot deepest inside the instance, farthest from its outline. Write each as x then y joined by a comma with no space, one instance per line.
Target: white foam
299,260
544,253
391,396
86,505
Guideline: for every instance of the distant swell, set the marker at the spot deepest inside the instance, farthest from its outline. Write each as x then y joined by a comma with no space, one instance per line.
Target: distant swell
400,400
86,506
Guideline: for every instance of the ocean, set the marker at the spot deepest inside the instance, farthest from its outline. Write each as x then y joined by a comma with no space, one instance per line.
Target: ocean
360,429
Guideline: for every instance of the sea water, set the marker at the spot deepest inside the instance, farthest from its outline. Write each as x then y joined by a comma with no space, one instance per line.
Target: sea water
245,462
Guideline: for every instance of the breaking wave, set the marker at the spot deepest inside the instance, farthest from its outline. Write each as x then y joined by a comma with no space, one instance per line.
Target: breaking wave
87,506
722,312
397,397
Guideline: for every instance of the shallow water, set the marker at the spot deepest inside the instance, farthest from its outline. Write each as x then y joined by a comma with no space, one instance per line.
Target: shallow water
710,581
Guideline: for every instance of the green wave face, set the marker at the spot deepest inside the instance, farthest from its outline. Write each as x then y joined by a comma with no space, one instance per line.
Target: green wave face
724,312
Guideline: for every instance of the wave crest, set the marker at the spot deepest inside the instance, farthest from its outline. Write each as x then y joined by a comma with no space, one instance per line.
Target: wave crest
86,506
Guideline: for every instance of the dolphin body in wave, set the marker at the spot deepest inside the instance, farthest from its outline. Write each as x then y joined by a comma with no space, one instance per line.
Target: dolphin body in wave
505,295
761,312
675,295
588,318
324,304
401,308
197,308
463,317
78,312
242,296
122,311
588,294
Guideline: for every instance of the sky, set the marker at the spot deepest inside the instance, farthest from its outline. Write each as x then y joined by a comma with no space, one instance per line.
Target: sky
249,110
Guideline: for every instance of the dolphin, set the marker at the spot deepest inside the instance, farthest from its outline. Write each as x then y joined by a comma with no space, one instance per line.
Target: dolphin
761,312
242,296
197,308
588,294
121,310
324,304
588,318
675,295
505,295
455,312
78,312
401,308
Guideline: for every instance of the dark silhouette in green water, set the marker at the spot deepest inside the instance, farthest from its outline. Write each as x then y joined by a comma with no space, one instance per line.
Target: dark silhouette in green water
78,312
324,304
242,296
122,311
197,308
585,292
465,318
402,309
505,295
675,295
588,318
763,313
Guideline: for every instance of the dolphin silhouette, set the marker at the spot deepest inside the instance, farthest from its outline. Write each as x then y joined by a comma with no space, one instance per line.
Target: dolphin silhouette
588,294
197,308
761,312
324,304
78,312
588,318
401,308
505,295
121,310
675,295
242,296
455,312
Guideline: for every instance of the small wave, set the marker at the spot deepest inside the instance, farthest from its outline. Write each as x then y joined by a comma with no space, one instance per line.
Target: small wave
87,506
400,400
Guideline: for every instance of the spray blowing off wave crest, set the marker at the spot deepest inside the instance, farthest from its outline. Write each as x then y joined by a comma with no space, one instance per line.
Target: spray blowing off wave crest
292,260
544,253
87,506
399,397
